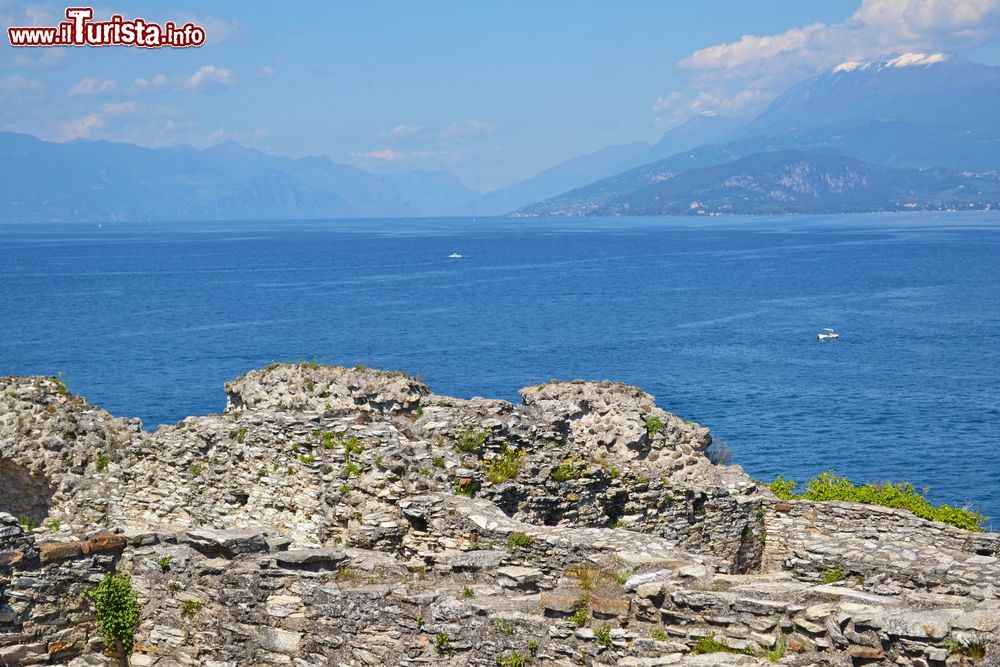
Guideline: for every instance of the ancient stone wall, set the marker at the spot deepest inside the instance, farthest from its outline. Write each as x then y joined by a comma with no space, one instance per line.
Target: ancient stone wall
347,516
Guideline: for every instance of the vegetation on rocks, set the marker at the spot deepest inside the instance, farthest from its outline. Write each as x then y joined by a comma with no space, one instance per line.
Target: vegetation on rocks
117,607
901,495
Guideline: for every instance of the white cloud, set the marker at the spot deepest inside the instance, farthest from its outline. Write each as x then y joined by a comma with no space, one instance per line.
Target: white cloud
256,137
89,86
127,121
15,86
82,128
385,155
149,86
745,73
210,78
467,128
414,134
266,72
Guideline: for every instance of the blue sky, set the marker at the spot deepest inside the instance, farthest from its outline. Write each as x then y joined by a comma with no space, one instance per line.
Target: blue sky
493,91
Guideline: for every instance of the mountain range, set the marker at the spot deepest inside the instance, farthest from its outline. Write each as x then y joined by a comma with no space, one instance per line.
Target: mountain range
907,131
911,131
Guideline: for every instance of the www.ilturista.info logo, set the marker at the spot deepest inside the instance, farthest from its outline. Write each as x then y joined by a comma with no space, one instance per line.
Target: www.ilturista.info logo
80,30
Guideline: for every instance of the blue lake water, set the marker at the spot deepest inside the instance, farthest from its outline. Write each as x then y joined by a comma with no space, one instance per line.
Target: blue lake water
716,318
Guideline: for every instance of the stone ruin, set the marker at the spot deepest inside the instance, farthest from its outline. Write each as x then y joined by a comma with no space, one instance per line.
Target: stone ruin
336,516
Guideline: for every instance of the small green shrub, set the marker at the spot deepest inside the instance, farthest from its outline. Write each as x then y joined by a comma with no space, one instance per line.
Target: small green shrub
442,641
973,647
27,523
832,576
581,615
519,540
603,635
571,467
352,469
196,469
102,461
900,495
467,592
55,525
418,412
353,446
466,487
709,644
504,626
658,633
60,385
378,462
653,426
326,439
190,608
438,461
470,439
503,466
532,647
777,652
307,459
164,563
344,489
116,605
239,434
515,659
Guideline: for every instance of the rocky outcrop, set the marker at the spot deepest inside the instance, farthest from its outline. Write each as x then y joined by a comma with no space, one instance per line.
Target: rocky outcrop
350,516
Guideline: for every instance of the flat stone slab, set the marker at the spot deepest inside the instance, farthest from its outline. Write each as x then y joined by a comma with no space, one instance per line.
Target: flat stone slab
227,543
305,557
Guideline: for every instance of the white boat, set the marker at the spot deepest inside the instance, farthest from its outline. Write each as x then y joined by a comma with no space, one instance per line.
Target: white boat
454,255
827,334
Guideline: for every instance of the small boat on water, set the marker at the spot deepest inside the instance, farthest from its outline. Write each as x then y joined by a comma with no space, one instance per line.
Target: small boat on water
454,255
827,334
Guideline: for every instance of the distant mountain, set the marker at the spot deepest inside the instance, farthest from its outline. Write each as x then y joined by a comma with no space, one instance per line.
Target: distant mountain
794,181
561,177
432,192
592,197
102,181
913,111
704,129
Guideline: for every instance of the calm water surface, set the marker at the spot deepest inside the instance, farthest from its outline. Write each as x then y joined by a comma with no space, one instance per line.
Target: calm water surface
715,318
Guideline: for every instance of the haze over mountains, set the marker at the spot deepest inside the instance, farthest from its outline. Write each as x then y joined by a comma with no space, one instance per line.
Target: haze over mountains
909,131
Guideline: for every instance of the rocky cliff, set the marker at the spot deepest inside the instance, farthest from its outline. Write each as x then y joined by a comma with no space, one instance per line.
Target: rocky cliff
337,516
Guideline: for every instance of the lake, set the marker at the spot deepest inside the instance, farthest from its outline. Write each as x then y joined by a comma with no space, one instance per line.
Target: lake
717,318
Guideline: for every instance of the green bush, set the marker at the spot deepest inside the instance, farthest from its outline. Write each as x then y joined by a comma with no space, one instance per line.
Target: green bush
519,540
503,466
653,426
442,641
353,446
515,659
571,467
102,461
190,608
901,495
603,635
117,606
581,615
504,626
832,576
470,439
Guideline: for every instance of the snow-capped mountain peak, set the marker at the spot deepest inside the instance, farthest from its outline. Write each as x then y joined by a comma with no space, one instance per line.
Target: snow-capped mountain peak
896,62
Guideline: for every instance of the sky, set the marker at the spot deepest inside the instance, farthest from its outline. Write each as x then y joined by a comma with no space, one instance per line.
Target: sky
493,91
